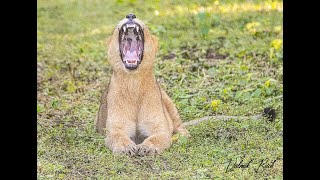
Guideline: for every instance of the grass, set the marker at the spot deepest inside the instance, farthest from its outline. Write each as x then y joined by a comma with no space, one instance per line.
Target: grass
215,58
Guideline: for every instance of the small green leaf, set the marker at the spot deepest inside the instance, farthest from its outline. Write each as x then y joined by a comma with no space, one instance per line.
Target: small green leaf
182,140
238,95
212,71
246,96
71,87
243,147
244,68
184,101
40,108
55,104
269,90
256,93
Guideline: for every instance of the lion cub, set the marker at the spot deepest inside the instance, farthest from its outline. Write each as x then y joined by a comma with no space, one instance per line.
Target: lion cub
136,115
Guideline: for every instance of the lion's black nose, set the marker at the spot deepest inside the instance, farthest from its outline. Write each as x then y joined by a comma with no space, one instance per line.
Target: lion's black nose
131,16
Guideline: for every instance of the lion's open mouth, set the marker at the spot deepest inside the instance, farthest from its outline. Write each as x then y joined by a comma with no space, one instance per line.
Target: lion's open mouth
131,42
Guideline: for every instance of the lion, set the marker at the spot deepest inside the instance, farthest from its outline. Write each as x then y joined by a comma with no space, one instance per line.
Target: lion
136,115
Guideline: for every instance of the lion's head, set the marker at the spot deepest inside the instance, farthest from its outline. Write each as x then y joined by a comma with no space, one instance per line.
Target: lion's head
132,48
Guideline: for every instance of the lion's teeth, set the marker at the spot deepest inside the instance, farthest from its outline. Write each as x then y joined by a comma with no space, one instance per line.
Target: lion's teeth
137,29
131,25
124,29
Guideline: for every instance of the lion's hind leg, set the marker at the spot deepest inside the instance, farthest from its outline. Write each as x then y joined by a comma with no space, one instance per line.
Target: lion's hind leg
178,126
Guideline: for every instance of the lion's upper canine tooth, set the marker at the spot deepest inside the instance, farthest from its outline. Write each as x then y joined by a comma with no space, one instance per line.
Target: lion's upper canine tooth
124,29
137,29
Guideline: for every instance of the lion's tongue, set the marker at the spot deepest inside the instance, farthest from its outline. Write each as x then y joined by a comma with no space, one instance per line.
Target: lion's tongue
131,57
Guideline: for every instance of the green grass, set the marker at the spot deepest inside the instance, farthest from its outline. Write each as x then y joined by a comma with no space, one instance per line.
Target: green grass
215,58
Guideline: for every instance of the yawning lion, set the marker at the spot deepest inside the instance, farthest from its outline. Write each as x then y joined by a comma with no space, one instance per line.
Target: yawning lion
136,115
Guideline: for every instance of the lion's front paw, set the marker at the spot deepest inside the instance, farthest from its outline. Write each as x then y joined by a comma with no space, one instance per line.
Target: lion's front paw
130,149
143,150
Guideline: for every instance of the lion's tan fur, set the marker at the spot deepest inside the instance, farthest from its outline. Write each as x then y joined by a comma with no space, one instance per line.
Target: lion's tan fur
134,106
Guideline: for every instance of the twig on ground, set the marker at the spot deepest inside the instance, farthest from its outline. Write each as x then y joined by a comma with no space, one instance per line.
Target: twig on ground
214,118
